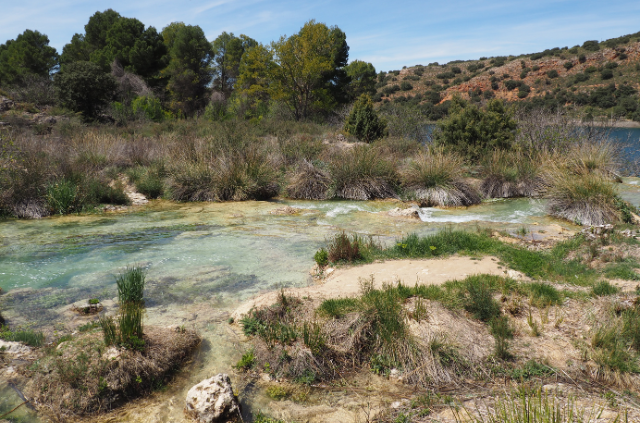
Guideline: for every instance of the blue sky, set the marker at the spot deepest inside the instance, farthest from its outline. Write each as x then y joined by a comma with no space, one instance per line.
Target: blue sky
389,34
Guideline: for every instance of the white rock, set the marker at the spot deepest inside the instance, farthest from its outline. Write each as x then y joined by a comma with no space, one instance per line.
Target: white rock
411,212
16,348
212,400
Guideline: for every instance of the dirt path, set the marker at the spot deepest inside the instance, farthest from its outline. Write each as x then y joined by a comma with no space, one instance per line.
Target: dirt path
344,282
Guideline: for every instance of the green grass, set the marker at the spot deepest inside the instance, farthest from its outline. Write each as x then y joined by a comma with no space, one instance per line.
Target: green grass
535,406
26,336
131,285
247,361
616,342
623,270
550,265
542,294
604,288
338,307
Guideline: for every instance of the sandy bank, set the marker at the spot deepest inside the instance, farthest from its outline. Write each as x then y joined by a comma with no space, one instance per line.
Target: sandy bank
344,282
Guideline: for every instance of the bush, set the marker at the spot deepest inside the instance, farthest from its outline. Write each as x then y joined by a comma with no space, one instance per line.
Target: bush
406,86
581,77
512,174
552,74
149,107
473,132
247,361
479,300
591,69
582,58
606,74
321,257
308,182
568,65
363,121
84,87
591,45
511,84
342,247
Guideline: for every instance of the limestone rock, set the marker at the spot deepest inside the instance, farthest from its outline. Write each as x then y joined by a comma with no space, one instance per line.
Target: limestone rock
6,104
212,400
411,212
285,210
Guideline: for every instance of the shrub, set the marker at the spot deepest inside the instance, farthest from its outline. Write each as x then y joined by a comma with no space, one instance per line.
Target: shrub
581,77
552,74
582,58
591,45
591,69
148,107
361,173
568,65
247,361
472,131
435,178
343,247
511,84
321,257
84,87
406,86
611,65
606,74
363,121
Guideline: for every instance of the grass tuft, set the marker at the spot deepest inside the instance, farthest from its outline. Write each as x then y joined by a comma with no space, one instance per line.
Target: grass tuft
435,179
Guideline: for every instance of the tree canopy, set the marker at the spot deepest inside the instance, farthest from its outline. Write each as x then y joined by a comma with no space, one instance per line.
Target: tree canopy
362,78
110,36
227,54
189,72
29,54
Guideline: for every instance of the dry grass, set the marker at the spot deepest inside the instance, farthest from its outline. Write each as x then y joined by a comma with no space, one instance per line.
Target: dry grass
584,199
82,376
308,182
362,173
434,178
513,174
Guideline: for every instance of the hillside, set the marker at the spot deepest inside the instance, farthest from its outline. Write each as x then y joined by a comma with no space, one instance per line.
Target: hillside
601,78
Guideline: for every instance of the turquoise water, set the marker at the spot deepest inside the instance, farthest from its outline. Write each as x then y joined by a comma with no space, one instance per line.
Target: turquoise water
202,260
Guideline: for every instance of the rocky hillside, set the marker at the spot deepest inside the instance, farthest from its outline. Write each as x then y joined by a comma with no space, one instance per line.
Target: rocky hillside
603,77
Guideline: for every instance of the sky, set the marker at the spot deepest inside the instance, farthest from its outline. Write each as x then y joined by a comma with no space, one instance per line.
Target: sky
389,34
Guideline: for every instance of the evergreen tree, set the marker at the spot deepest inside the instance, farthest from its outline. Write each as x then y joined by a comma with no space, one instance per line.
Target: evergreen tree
189,70
29,54
363,121
84,87
227,54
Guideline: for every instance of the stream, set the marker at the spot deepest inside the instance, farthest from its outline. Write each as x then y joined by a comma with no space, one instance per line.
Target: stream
202,261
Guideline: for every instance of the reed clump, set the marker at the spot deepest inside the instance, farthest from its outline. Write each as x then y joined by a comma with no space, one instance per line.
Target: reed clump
308,182
435,178
362,173
513,174
586,199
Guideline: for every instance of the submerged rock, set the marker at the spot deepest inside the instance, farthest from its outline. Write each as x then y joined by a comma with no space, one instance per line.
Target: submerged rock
212,400
411,212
